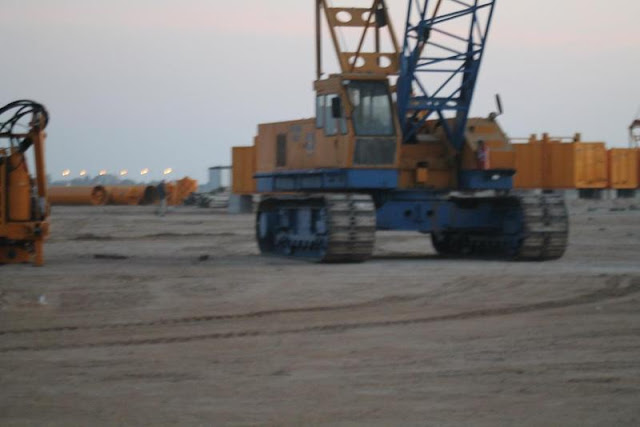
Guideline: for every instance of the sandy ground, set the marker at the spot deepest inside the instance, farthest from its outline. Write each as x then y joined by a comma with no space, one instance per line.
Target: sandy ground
141,320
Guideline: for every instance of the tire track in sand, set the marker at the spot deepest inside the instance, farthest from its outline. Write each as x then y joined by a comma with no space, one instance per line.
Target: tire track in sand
617,287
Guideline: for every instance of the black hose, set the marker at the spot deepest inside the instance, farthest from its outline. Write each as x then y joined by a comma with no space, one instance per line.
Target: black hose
24,108
19,110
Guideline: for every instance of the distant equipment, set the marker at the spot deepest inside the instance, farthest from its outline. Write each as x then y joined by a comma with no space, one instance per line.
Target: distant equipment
23,200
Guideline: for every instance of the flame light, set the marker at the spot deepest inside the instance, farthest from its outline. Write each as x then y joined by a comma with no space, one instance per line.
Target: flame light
83,172
66,172
144,171
167,171
102,172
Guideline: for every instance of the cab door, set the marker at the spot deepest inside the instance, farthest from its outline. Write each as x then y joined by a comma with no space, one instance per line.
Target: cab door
332,132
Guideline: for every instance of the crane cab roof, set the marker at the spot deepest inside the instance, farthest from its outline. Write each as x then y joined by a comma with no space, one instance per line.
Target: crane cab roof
335,82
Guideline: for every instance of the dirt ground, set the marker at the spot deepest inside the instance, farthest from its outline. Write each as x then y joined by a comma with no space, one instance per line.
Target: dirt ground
141,320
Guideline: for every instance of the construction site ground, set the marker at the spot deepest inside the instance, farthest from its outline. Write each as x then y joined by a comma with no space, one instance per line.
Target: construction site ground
145,320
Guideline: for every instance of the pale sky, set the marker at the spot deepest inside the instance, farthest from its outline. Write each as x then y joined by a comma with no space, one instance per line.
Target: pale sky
176,83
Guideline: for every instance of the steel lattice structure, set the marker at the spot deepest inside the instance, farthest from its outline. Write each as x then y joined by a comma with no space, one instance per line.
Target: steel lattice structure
444,43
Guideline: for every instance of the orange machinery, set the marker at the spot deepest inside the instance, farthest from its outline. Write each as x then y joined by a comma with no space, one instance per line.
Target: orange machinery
179,190
23,200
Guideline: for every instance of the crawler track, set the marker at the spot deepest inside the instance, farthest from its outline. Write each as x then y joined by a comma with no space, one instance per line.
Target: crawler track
546,227
352,227
318,227
535,228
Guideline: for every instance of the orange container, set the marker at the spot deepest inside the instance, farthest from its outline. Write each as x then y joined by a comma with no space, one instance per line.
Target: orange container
528,161
550,164
243,169
581,165
623,168
591,165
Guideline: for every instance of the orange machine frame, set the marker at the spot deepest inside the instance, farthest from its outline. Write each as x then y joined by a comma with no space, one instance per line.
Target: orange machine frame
22,240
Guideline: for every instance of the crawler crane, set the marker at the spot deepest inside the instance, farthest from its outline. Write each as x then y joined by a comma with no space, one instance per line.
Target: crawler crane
23,205
392,147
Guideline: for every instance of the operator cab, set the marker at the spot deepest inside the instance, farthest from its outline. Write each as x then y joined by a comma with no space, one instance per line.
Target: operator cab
361,109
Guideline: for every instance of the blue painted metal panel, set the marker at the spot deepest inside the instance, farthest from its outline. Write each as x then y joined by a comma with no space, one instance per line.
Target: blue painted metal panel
427,211
327,180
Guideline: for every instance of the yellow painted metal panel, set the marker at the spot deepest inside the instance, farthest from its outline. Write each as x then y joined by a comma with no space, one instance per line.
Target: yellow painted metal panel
502,159
528,165
551,164
242,170
623,168
422,175
590,165
304,147
558,167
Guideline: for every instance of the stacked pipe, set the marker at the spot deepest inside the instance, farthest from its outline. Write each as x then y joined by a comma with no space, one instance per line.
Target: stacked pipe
132,195
96,196
100,195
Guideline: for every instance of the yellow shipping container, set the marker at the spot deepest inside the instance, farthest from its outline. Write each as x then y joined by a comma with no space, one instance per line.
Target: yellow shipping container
591,165
552,164
243,169
581,165
528,161
624,164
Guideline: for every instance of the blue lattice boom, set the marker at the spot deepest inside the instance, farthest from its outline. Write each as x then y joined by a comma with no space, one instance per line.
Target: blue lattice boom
444,42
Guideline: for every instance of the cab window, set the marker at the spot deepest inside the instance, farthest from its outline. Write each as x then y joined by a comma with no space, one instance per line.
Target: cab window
372,113
324,116
320,100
